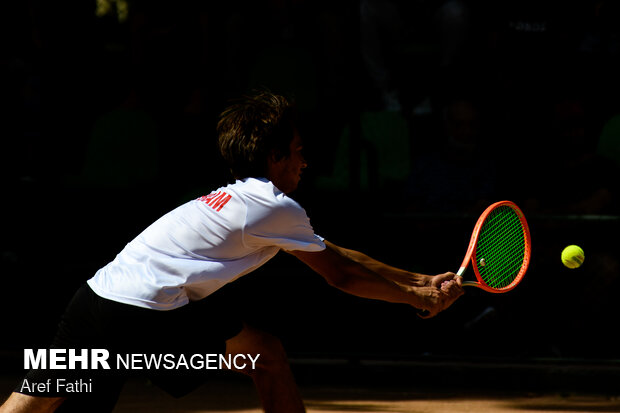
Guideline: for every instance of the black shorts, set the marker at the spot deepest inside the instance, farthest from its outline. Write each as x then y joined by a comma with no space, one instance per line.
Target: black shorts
93,322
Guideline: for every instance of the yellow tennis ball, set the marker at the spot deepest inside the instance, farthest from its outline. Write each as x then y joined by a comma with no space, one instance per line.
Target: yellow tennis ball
573,256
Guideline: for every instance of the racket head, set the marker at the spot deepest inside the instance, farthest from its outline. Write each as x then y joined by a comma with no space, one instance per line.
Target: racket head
500,247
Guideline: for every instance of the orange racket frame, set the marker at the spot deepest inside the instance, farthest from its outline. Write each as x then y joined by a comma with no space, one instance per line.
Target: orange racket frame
470,256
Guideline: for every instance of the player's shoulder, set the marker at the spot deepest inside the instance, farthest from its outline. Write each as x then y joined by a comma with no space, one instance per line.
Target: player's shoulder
262,192
254,194
265,202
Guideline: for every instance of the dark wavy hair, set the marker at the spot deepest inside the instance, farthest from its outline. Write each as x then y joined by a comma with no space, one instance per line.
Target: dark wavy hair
253,129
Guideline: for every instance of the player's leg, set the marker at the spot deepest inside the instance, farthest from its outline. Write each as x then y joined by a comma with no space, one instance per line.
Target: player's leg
272,375
18,403
78,329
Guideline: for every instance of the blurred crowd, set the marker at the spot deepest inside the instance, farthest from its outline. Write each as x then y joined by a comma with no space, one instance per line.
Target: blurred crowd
109,109
447,103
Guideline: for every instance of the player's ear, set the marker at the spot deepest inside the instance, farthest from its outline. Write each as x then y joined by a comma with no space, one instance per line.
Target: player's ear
276,155
272,157
273,164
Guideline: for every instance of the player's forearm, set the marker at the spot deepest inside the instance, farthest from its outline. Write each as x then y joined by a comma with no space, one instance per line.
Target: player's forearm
363,283
397,275
354,274
365,277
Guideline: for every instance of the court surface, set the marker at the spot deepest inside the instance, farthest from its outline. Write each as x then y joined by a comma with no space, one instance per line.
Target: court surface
239,396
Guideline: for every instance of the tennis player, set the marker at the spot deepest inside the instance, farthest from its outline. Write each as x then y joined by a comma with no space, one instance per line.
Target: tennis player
165,291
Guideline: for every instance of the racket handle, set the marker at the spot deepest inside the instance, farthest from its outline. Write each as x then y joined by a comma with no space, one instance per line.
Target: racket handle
467,283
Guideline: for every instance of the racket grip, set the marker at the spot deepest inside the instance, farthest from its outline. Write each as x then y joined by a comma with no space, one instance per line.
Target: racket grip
461,271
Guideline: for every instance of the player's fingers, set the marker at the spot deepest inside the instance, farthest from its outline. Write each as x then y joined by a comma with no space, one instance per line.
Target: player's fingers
441,278
452,288
445,286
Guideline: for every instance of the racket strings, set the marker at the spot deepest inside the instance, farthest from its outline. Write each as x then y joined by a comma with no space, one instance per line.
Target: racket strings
504,268
500,250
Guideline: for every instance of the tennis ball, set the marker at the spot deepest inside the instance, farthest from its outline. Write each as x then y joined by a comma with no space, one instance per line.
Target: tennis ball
573,256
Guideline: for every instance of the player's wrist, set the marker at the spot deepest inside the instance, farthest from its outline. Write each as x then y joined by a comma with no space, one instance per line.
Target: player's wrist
423,298
424,280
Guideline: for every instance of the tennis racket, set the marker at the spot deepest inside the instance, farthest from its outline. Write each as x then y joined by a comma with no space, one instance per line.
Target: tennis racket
499,249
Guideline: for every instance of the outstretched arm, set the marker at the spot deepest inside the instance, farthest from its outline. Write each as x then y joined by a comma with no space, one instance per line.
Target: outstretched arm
363,276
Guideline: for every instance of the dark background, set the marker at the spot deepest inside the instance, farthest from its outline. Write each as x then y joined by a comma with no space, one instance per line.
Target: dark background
415,116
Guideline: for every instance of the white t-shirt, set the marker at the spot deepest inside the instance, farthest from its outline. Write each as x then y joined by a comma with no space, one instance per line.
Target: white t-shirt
204,244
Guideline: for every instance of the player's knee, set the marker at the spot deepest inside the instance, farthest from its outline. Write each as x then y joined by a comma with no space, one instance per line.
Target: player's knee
270,353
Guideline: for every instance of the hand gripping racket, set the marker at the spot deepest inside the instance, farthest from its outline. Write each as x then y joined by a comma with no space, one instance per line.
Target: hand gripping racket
499,249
